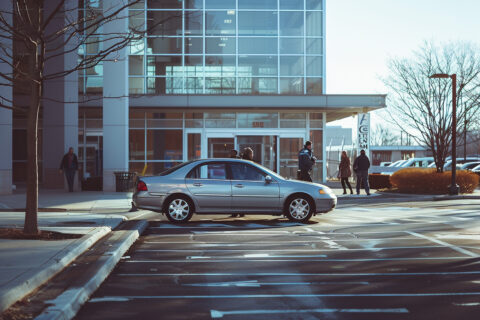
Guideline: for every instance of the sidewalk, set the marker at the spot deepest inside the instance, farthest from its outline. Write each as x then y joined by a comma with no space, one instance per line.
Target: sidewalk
27,264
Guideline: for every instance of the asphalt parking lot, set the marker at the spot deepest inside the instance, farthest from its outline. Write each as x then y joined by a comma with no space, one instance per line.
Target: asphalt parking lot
373,261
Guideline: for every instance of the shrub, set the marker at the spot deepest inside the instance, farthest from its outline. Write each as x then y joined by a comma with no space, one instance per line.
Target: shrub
428,181
379,181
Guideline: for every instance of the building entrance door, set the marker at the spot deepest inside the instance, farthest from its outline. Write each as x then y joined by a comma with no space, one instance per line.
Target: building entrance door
264,149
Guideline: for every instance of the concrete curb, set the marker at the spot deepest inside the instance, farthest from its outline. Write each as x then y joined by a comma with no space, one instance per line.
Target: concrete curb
70,254
67,304
459,197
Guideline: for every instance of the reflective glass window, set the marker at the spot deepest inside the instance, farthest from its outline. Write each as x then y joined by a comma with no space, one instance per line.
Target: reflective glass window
291,23
160,45
217,171
291,4
314,45
219,66
220,45
316,120
137,46
291,46
246,172
194,120
220,22
257,4
136,144
257,120
193,85
193,66
164,23
194,146
219,85
314,86
316,136
164,4
193,23
257,85
164,65
314,4
193,4
314,24
136,85
193,45
94,84
291,66
137,5
261,23
165,85
136,20
219,4
314,66
135,65
249,45
257,65
164,119
220,120
291,85
293,120
164,144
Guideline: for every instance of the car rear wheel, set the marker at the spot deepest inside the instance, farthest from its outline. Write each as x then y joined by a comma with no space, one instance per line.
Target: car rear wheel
299,209
179,210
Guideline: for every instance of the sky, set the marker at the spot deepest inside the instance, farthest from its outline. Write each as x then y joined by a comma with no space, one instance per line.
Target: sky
361,35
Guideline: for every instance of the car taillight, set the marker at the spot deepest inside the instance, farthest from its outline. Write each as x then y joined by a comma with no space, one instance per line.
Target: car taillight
141,186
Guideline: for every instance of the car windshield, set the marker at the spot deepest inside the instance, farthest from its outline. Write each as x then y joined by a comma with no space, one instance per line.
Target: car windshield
269,172
175,168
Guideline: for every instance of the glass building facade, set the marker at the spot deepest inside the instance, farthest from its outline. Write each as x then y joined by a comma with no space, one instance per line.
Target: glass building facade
251,47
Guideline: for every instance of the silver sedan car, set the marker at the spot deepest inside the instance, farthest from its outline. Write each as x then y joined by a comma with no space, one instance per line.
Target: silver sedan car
228,186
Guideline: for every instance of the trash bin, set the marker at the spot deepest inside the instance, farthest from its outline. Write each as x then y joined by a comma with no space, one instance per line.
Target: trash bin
124,181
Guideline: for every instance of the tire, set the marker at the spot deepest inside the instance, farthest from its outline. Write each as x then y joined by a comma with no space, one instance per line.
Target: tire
179,209
299,209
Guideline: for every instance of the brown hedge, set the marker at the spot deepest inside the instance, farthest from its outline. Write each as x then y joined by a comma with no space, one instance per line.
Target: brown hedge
379,181
428,181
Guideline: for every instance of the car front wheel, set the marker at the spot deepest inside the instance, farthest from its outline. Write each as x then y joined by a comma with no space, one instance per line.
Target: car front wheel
179,210
299,209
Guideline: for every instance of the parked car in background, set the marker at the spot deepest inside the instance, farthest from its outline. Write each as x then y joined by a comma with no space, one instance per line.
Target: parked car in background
385,163
469,165
410,163
476,169
397,163
227,186
448,164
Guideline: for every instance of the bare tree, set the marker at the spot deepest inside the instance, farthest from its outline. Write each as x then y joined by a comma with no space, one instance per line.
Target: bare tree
36,37
421,106
383,135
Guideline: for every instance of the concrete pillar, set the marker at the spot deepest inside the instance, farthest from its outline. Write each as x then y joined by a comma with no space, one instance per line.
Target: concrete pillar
6,114
115,100
60,117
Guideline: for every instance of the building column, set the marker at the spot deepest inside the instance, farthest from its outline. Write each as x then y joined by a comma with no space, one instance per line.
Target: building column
60,111
6,95
115,100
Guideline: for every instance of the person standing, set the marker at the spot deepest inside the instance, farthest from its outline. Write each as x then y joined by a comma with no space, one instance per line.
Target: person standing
306,160
69,165
345,172
361,166
247,154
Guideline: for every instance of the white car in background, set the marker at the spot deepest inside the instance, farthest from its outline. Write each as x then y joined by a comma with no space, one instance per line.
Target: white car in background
460,161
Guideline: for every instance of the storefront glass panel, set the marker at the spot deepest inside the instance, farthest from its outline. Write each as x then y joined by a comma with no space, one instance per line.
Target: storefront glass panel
220,147
257,120
289,148
165,145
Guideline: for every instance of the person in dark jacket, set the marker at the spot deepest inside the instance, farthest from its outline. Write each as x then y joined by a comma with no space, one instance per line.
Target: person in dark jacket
344,172
306,160
69,165
361,166
234,154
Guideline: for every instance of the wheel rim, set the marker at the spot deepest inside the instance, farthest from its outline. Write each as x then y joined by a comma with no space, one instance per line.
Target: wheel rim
178,209
299,208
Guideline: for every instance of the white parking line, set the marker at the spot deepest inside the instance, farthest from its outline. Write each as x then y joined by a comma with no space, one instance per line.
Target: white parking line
256,284
453,247
295,274
283,243
239,259
216,314
270,296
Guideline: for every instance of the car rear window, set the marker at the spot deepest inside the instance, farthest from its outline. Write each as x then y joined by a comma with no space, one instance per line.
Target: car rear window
175,168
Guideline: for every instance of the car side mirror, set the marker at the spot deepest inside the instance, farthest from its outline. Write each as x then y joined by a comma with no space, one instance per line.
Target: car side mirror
268,179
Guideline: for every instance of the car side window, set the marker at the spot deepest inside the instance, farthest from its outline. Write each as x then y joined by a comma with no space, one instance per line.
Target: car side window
209,171
244,171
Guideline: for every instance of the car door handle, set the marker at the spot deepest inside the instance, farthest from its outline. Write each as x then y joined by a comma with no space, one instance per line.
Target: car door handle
197,184
238,186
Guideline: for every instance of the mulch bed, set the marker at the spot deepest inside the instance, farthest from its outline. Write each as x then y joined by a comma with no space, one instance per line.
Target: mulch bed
17,234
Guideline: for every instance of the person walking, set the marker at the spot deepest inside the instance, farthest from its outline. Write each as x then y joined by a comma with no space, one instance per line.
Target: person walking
361,166
344,172
69,165
306,160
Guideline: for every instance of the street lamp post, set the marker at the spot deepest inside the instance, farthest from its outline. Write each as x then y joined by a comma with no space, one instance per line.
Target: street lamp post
453,188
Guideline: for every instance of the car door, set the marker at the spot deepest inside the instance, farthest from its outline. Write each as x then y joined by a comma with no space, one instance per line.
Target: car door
250,191
210,188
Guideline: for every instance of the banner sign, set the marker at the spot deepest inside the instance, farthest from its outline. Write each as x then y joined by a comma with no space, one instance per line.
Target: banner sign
363,133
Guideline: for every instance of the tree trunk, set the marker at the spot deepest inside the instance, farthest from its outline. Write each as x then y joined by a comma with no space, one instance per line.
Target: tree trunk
31,225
